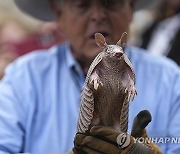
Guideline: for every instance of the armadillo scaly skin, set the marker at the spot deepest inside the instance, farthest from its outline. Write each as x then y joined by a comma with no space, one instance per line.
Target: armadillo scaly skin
108,88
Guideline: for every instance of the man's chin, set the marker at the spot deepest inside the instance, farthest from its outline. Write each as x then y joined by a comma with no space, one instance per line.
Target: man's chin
93,54
90,53
92,43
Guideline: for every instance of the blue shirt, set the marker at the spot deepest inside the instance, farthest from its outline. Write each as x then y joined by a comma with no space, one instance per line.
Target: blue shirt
40,95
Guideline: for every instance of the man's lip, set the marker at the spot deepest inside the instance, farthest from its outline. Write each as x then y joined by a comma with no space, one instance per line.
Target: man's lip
105,34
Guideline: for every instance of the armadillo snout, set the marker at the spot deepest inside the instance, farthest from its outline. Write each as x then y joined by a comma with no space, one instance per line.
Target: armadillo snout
118,54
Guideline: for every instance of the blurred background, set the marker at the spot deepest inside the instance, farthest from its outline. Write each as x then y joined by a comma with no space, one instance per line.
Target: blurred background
156,27
20,34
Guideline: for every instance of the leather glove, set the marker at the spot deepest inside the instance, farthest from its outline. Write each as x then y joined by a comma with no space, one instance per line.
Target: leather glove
108,141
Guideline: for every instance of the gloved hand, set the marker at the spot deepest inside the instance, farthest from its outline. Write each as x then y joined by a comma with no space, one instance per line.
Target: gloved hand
108,141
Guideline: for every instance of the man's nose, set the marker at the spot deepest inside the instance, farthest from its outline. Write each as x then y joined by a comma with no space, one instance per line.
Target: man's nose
98,13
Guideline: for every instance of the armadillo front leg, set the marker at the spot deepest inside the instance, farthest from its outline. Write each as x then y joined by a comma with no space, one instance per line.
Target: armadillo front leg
130,90
95,81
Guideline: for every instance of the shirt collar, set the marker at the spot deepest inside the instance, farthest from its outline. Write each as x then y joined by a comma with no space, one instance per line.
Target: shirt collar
71,62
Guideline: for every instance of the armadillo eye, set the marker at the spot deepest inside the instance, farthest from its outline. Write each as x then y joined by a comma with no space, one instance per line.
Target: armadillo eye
107,50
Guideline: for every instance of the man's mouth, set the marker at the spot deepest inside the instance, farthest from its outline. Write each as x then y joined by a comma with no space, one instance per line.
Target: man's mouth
105,34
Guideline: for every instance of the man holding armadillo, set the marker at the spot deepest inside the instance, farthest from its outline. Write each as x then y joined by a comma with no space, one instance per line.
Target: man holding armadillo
40,92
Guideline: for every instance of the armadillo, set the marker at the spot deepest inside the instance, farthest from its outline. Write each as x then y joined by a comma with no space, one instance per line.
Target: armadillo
109,87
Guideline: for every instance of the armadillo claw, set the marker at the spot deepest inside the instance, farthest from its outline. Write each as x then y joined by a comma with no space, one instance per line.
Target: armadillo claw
126,90
96,82
131,93
94,79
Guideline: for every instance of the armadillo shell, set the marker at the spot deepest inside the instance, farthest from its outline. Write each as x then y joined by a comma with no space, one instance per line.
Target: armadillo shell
124,116
86,110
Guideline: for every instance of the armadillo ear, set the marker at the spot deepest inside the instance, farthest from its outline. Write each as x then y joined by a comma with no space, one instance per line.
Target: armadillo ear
123,40
100,40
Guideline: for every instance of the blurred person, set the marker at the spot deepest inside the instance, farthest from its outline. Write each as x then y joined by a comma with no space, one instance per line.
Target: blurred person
42,38
12,29
17,39
39,105
162,37
6,57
